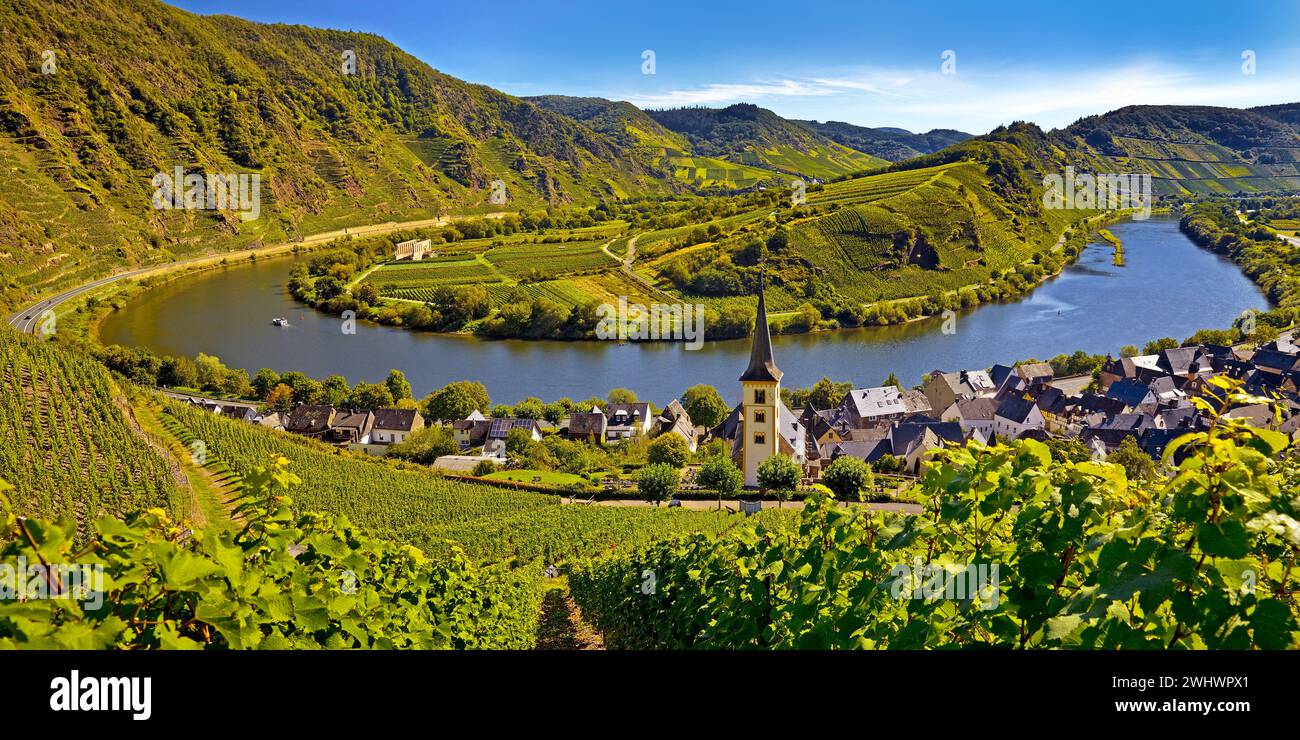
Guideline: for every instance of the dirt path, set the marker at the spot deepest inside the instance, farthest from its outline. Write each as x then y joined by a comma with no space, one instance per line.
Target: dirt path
562,626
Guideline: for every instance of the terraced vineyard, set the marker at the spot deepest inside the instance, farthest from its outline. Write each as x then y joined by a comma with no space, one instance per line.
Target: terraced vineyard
498,269
371,493
70,451
913,233
550,259
562,533
875,187
425,509
709,172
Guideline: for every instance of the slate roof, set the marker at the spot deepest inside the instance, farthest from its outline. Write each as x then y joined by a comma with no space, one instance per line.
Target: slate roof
1130,392
587,423
977,409
627,414
869,403
401,420
1016,409
309,419
1036,371
761,365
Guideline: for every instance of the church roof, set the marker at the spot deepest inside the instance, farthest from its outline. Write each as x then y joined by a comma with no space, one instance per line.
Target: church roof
761,365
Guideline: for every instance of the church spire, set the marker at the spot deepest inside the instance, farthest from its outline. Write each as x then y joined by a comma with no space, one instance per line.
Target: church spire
761,365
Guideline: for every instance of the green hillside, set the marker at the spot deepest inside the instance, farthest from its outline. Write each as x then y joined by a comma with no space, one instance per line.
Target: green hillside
757,137
139,88
739,147
970,215
893,144
1194,149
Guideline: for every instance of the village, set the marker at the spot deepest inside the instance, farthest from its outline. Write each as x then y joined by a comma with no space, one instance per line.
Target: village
1144,402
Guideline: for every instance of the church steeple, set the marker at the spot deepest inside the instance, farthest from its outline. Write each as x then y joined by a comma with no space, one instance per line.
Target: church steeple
761,365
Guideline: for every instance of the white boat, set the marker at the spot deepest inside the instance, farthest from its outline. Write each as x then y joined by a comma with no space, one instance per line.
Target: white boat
280,322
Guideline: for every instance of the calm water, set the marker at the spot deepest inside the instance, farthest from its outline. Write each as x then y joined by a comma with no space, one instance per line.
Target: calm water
1168,287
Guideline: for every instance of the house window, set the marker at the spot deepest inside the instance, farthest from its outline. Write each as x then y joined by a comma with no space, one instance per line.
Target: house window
760,438
760,395
760,417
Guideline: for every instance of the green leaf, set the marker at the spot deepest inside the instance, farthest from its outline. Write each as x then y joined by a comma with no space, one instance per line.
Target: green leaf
1227,539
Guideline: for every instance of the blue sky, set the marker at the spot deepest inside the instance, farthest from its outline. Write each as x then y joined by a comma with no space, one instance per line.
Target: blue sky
869,63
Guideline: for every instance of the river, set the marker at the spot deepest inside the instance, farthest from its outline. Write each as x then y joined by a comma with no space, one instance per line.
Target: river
1167,287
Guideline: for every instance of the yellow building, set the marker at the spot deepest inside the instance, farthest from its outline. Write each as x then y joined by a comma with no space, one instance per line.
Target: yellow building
762,424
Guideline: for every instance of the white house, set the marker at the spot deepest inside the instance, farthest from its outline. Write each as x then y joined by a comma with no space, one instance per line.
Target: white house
1015,416
973,414
625,420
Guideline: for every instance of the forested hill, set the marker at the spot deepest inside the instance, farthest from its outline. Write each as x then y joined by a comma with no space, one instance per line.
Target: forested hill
1193,148
752,135
893,144
130,88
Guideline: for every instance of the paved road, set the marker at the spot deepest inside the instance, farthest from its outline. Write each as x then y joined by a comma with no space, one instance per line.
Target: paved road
28,320
704,505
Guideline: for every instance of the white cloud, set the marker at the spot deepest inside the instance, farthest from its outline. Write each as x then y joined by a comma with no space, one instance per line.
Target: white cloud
978,101
727,93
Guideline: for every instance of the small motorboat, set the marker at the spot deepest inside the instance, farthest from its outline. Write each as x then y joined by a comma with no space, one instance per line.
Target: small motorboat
280,322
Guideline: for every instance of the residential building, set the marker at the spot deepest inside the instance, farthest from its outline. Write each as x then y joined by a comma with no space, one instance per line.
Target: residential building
393,426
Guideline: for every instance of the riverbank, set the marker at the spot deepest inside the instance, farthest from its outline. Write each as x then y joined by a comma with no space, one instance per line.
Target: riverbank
28,319
429,316
1169,288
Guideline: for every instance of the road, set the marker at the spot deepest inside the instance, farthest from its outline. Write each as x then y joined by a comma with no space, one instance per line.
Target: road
627,269
28,320
731,505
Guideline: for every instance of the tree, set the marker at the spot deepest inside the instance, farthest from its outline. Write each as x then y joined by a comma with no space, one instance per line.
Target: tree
456,401
369,396
848,477
328,287
177,372
366,293
705,405
657,482
721,474
1156,346
669,449
334,390
530,408
426,445
1129,350
209,372
517,441
280,398
1137,464
780,475
234,382
894,381
622,395
555,411
484,467
824,394
398,388
265,381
